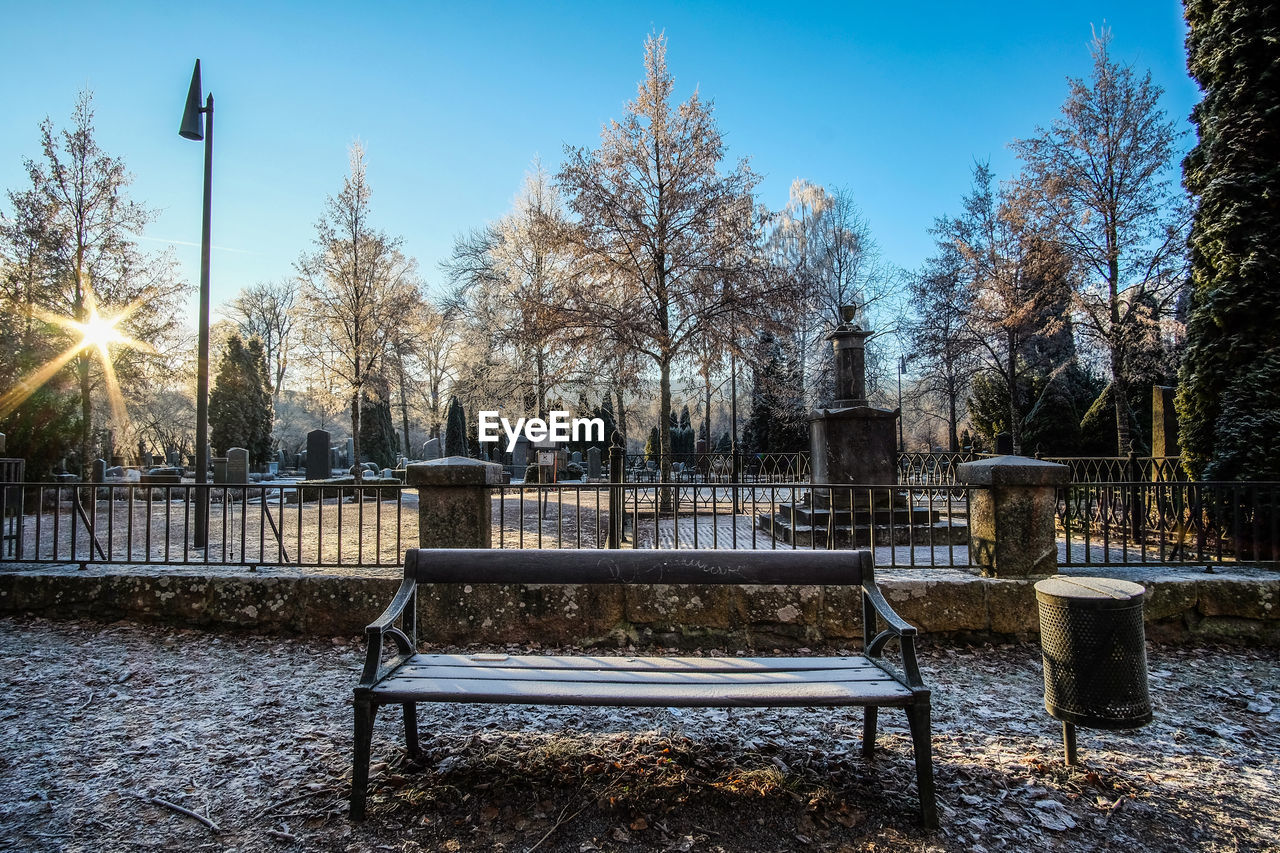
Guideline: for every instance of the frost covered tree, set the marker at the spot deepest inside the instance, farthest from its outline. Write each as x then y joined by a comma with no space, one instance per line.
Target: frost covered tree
667,243
1103,176
358,286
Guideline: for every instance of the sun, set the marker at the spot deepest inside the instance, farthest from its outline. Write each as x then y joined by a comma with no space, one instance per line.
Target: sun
99,334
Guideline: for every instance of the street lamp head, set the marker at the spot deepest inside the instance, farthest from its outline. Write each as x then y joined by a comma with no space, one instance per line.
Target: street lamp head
192,121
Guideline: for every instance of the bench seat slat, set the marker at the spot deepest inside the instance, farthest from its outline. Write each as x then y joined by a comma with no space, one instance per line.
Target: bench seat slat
404,679
638,663
558,692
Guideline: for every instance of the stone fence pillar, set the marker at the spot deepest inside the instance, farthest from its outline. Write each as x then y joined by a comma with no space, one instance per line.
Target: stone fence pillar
455,507
1011,518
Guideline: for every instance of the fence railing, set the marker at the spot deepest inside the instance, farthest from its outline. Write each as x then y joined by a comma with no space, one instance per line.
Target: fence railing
1116,523
1169,522
720,467
906,526
249,525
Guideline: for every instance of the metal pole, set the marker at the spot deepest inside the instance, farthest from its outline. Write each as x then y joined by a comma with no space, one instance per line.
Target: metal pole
735,464
902,444
202,357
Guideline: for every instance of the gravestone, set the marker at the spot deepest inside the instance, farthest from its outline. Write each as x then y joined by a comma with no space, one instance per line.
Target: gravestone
99,470
1004,444
700,446
318,467
593,463
282,460
219,470
174,458
148,460
115,471
520,456
237,465
576,457
335,461
1164,422
431,449
350,452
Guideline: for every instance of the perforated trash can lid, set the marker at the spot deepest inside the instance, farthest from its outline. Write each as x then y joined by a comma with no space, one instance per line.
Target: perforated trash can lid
1093,593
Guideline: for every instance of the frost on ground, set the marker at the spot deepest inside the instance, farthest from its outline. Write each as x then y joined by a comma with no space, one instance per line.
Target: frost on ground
113,731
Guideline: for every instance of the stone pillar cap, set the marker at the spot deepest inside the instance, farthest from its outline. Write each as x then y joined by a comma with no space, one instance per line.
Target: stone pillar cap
1013,471
453,471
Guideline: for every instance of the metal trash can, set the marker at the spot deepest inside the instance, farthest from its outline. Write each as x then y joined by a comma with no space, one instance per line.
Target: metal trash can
1095,655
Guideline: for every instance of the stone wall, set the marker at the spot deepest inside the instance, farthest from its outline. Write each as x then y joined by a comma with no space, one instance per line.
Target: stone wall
952,608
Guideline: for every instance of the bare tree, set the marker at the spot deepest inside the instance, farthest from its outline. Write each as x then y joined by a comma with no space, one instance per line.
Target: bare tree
658,224
516,271
358,286
1015,272
1103,176
940,335
268,311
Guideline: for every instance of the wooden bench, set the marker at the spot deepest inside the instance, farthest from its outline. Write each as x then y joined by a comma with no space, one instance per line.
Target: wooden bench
407,678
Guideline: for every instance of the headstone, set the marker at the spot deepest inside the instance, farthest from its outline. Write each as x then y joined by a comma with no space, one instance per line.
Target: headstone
318,467
576,457
520,456
431,449
219,470
1164,423
237,465
115,471
1004,444
174,458
282,460
148,460
350,453
335,461
386,474
593,462
700,446
99,470
400,461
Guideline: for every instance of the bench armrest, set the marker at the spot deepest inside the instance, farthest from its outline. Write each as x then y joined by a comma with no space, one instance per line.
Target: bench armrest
875,608
406,598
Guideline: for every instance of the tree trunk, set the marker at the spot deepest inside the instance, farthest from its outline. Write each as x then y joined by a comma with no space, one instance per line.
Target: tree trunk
953,425
355,436
620,415
404,413
86,417
664,433
1015,425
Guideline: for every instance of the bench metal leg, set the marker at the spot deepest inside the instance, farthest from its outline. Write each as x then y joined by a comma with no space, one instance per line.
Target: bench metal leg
365,713
922,747
869,730
411,729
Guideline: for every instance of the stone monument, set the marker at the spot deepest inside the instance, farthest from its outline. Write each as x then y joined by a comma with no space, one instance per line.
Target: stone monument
854,443
237,465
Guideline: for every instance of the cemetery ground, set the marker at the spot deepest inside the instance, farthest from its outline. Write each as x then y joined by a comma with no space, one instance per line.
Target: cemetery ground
110,724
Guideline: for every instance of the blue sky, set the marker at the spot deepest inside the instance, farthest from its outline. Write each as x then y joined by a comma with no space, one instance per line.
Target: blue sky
453,102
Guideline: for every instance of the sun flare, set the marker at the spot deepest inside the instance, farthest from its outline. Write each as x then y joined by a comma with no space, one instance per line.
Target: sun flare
99,334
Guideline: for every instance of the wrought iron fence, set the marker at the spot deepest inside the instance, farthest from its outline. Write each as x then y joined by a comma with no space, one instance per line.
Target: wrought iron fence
250,525
720,467
921,527
1169,522
1120,469
931,469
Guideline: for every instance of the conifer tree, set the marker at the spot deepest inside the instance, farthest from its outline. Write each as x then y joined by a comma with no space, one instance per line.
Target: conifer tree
240,413
1229,386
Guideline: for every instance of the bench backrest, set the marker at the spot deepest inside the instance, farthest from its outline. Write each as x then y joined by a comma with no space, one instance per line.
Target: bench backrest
585,566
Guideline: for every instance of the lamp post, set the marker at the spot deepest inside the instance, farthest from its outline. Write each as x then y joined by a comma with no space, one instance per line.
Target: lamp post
194,127
902,366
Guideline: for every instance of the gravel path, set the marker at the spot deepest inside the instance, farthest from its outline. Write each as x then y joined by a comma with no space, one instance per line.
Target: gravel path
253,734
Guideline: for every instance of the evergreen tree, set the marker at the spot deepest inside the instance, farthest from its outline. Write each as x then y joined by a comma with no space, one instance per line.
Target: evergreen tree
455,430
240,413
1229,391
379,443
651,446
